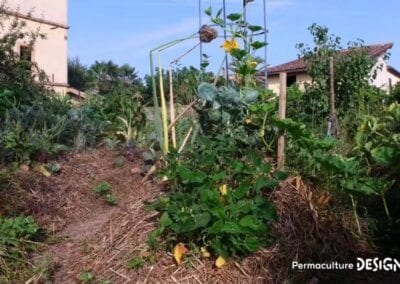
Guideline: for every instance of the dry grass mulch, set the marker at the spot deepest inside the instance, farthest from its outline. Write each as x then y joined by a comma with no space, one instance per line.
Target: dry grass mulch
89,235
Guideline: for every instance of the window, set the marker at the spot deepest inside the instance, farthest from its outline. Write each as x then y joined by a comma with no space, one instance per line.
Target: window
25,53
291,80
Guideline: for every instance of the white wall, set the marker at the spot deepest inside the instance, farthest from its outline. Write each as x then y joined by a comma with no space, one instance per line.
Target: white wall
50,54
383,76
50,10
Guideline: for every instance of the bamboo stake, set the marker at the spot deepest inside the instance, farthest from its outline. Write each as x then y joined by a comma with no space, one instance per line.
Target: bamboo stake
172,107
163,108
282,115
185,140
182,114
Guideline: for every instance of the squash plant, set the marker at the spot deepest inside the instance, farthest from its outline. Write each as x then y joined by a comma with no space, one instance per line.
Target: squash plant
217,198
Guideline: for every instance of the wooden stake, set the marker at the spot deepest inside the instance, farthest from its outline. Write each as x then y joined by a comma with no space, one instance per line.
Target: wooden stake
163,109
172,107
185,140
282,115
333,128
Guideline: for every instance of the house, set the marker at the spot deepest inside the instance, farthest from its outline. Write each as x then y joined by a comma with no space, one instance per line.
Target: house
49,17
297,72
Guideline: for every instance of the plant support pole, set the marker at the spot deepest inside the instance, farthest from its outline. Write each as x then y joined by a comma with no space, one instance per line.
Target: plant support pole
265,47
333,128
172,107
163,108
282,115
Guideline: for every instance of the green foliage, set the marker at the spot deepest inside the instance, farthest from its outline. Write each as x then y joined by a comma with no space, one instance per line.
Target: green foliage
106,77
122,113
245,61
395,94
136,262
16,236
86,277
353,70
225,111
104,190
217,198
19,77
184,82
77,74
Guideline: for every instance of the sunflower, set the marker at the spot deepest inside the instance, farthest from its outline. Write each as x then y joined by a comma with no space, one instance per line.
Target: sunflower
230,45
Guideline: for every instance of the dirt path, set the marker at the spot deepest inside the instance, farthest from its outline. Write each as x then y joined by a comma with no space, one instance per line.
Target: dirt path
74,216
87,234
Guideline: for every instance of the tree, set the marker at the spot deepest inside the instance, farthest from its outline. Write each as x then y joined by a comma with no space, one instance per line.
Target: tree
352,74
77,74
105,77
20,79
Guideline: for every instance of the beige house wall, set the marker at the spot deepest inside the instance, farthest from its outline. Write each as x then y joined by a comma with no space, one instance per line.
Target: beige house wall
301,78
50,10
384,76
381,81
49,17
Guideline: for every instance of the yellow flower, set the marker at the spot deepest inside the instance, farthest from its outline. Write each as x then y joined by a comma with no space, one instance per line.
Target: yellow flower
230,45
204,252
253,64
220,262
223,189
178,251
248,121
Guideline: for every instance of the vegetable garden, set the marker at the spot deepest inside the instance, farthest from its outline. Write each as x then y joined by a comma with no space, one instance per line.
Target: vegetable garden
99,193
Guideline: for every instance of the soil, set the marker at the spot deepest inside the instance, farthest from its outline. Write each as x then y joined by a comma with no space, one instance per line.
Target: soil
85,234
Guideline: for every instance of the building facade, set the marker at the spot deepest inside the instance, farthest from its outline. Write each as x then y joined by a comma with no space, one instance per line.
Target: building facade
297,72
48,17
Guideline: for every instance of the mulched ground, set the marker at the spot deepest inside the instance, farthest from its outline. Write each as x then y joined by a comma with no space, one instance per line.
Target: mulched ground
86,234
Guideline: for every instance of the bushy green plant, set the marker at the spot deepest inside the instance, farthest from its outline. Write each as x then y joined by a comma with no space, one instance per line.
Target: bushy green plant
16,236
225,112
353,71
217,198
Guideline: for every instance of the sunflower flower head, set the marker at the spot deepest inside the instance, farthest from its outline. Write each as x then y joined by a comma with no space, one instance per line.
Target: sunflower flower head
230,45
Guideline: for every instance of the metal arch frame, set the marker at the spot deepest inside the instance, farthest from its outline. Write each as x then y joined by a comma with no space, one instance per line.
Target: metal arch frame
225,35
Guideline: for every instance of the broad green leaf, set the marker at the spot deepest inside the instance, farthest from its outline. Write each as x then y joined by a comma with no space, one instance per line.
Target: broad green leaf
252,244
165,220
385,156
250,95
264,182
241,190
280,175
207,92
255,28
189,176
231,228
208,11
234,16
258,44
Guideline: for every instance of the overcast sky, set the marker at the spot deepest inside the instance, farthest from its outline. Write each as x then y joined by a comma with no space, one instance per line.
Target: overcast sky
126,30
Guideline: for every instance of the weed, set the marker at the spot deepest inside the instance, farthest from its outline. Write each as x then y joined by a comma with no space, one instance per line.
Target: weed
136,262
104,190
86,277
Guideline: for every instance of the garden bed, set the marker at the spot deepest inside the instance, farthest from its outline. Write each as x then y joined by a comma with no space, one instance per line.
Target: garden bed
85,234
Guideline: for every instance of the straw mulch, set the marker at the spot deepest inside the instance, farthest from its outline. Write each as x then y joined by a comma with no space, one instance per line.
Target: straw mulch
89,235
